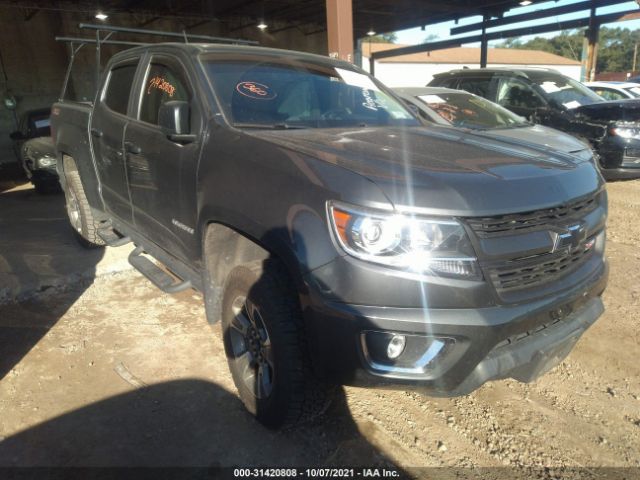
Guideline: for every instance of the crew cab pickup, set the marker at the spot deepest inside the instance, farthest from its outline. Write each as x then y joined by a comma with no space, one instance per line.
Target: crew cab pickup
337,239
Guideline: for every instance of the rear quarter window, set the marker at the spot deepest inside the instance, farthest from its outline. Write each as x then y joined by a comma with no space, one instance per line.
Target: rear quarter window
477,86
116,96
445,82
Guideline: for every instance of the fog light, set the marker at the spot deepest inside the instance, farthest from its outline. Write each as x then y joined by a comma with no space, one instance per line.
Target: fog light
396,346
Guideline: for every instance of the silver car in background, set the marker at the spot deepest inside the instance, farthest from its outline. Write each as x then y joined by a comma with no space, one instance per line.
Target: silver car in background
615,90
460,109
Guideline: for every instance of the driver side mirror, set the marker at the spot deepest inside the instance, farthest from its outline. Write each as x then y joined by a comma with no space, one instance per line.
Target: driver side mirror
17,135
173,118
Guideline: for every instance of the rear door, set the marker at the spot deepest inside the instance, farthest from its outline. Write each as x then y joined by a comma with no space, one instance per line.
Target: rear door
107,128
161,172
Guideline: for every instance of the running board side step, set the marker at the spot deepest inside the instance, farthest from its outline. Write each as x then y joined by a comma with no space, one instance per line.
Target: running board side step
111,237
155,274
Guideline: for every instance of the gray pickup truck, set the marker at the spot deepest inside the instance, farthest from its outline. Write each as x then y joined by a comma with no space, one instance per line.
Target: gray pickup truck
337,240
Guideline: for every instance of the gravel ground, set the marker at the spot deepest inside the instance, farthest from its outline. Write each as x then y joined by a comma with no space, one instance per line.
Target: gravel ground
118,373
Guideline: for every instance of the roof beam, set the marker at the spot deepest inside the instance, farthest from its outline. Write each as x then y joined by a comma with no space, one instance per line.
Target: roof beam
538,14
551,27
425,47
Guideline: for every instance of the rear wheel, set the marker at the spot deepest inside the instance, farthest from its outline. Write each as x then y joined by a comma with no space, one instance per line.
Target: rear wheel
44,187
266,348
79,212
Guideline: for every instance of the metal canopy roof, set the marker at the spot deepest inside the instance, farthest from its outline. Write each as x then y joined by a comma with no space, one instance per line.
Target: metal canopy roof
307,15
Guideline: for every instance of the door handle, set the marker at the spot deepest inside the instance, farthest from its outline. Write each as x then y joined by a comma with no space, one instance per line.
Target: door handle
132,148
96,133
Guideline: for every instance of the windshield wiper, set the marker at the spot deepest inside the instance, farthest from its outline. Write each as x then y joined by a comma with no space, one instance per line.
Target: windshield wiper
268,126
515,125
287,126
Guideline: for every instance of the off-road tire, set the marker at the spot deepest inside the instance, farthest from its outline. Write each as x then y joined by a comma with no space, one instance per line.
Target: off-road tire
86,230
297,395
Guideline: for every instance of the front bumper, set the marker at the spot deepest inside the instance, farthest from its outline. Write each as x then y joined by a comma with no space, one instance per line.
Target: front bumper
37,174
620,158
521,341
621,173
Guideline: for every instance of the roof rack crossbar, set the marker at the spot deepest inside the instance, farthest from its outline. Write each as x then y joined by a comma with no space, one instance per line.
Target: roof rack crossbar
182,35
80,40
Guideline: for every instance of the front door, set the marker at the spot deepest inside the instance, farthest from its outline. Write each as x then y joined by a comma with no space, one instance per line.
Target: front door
161,172
107,128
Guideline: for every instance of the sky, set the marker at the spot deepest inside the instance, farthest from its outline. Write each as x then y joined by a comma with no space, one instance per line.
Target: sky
417,35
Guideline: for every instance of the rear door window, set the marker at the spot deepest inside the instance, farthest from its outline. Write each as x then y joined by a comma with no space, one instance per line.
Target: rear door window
446,83
39,126
477,86
116,95
514,93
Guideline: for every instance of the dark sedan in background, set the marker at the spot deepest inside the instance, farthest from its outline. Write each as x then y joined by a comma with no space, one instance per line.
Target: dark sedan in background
549,98
34,150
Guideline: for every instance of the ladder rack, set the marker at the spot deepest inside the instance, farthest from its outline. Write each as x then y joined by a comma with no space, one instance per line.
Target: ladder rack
76,43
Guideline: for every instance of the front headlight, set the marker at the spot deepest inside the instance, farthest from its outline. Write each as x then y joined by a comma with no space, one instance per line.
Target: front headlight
428,246
626,132
46,161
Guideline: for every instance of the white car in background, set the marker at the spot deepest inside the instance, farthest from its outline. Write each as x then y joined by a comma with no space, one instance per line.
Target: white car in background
460,109
615,90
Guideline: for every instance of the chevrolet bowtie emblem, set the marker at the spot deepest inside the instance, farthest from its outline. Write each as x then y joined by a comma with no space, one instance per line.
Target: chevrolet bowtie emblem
568,238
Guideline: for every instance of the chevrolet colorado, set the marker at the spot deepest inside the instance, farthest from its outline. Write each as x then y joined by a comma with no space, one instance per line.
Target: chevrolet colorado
337,240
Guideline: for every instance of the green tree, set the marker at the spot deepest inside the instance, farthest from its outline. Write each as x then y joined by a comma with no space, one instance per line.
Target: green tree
383,38
615,52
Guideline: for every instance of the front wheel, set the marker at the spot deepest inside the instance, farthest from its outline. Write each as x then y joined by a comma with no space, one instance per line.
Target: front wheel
266,348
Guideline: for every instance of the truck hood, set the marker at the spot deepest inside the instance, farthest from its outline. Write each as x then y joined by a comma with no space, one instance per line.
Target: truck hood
616,111
447,171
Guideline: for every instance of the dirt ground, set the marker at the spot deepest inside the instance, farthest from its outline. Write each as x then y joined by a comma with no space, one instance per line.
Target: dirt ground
114,372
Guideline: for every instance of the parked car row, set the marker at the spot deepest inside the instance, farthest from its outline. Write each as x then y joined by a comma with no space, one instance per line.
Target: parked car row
549,98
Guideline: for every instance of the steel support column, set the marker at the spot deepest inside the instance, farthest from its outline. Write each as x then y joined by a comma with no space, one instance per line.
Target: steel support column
592,34
340,29
484,43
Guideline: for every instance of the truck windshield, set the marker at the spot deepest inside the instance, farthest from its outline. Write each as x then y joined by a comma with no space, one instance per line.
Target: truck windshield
564,91
291,93
470,111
